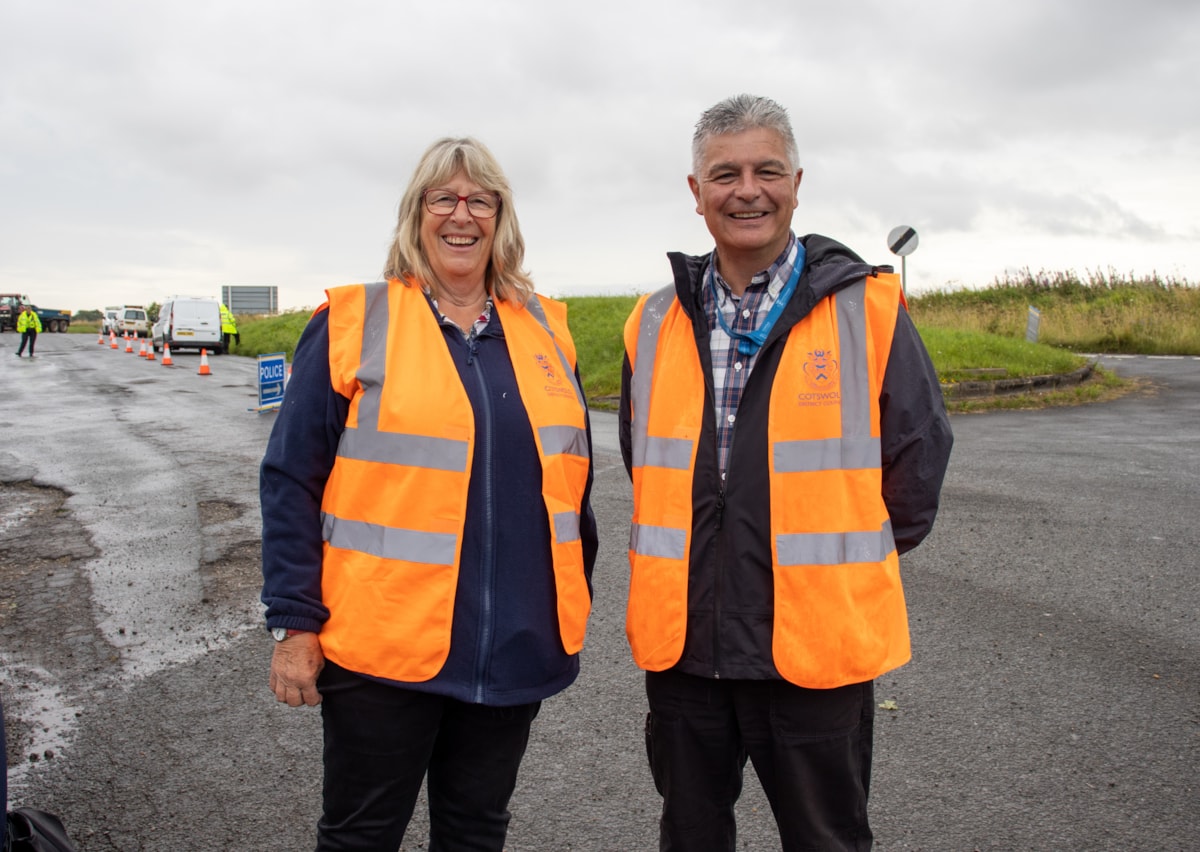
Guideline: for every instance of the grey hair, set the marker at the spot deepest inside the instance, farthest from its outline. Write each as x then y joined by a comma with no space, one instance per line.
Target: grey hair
738,114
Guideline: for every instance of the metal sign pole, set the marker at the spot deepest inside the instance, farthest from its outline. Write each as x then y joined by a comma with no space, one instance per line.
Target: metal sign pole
902,240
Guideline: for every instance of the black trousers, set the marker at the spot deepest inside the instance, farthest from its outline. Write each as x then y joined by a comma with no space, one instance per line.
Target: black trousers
28,336
380,743
811,749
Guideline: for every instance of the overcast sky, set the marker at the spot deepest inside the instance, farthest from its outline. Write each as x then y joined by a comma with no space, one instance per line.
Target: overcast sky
155,148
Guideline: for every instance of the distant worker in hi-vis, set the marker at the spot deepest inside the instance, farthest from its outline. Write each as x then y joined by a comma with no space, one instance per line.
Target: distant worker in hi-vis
29,325
229,329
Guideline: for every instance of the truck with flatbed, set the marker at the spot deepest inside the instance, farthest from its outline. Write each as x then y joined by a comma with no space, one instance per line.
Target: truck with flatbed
52,319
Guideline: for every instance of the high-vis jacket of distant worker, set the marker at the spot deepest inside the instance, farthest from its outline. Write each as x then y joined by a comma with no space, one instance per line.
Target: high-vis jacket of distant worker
391,554
29,321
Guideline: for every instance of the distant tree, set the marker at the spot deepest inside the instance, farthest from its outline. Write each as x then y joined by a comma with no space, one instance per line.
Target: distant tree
87,316
152,312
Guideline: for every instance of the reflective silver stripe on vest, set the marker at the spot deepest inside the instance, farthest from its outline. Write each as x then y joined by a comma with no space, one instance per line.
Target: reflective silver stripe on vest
856,449
852,349
563,440
372,362
673,453
664,542
835,548
411,450
566,527
826,454
389,542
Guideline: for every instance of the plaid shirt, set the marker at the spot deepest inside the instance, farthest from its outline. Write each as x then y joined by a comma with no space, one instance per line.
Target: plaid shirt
731,369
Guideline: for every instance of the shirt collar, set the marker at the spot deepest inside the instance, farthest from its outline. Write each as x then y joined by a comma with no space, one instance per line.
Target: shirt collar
777,273
481,321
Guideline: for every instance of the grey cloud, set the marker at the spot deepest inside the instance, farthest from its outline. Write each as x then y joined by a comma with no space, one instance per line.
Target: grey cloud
225,139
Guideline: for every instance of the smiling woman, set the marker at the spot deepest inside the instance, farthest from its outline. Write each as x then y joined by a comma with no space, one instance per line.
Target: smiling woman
457,232
428,539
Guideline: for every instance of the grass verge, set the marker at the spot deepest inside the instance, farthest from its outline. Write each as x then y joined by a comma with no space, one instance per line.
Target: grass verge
970,334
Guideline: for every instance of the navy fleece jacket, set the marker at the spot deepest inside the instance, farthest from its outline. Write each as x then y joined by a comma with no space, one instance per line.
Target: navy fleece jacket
505,647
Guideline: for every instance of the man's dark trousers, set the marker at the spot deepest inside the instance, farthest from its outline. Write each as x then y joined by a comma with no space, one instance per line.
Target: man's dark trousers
811,749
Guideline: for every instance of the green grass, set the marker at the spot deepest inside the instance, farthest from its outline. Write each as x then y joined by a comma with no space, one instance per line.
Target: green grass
597,327
961,355
261,335
1097,313
970,334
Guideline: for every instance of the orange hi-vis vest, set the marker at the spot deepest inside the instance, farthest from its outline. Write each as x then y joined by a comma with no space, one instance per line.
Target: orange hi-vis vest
839,612
395,503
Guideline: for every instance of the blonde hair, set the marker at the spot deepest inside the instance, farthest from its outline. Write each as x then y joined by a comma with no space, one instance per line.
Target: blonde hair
505,277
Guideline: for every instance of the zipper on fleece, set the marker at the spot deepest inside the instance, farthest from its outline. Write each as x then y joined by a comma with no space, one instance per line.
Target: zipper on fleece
487,570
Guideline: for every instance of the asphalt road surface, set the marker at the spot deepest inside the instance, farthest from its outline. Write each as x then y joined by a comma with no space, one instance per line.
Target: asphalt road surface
1052,702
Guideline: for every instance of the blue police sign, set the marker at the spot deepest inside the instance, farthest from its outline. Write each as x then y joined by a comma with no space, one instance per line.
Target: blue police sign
272,377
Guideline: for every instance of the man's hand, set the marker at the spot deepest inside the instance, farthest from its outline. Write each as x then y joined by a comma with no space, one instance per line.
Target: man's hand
294,668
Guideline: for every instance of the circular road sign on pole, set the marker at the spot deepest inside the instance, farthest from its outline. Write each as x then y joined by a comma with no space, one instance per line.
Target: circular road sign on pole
902,240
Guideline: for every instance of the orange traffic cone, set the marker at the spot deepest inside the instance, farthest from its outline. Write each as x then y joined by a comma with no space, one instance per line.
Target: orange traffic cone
112,339
100,337
128,342
204,371
167,362
142,351
150,352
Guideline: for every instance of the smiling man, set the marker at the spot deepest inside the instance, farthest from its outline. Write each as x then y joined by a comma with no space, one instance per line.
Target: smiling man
786,436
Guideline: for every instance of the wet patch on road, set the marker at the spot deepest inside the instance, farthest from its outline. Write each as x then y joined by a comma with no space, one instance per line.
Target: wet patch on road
47,626
217,512
235,577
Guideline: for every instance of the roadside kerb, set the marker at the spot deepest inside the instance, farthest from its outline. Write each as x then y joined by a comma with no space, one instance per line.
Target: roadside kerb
976,389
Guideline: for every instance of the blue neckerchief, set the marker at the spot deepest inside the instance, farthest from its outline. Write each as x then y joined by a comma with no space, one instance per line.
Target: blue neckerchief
751,342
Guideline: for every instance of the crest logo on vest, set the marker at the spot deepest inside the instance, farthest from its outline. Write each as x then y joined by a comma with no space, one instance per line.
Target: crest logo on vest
555,386
821,372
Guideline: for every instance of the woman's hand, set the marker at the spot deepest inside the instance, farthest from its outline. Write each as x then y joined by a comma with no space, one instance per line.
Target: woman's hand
294,668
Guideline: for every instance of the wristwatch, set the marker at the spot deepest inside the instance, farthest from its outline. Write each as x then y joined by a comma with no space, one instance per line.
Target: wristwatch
281,633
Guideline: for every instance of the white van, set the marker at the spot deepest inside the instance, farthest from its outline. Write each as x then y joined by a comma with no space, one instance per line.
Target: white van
189,323
132,318
126,318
